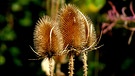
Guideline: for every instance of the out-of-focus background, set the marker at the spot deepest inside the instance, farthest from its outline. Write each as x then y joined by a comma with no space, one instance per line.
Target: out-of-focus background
116,58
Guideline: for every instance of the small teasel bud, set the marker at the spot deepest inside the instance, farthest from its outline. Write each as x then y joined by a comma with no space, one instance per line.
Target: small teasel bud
48,41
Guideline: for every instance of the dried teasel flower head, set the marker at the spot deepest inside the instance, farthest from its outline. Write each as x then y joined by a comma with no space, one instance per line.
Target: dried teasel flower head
48,40
77,29
78,34
72,27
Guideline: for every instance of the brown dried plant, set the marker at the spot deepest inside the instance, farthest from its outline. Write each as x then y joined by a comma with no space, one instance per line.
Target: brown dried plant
78,34
52,7
48,40
70,32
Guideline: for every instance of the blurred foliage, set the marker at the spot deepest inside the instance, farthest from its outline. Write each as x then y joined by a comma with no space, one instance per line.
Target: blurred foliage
26,20
7,34
89,6
127,63
17,21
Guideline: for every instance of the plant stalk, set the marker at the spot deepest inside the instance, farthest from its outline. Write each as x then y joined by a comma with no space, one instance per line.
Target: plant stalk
71,64
51,66
85,69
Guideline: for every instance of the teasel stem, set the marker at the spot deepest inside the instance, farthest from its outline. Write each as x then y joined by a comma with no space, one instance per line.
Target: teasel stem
51,66
130,38
85,69
71,64
53,7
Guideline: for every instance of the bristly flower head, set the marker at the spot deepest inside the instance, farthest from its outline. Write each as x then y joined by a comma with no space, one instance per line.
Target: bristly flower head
77,30
71,32
78,34
70,26
48,40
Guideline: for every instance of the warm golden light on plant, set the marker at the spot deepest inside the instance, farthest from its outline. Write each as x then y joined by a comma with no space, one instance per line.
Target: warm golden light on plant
48,40
47,37
78,34
71,33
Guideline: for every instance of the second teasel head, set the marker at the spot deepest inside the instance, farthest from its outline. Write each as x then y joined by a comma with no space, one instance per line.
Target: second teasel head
71,27
77,29
48,40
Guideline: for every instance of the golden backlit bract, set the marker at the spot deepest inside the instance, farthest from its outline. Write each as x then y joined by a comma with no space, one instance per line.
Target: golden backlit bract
90,32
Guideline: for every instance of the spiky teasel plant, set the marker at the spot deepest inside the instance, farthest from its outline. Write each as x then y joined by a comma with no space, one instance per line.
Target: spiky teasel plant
72,32
78,34
48,40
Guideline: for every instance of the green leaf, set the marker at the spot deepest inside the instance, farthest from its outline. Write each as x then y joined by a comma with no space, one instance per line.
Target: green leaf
14,51
7,34
95,64
24,2
126,64
95,5
26,21
17,62
2,18
3,47
2,60
16,7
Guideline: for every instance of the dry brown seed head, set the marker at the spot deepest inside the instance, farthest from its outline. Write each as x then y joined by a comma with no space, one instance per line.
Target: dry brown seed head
71,27
48,40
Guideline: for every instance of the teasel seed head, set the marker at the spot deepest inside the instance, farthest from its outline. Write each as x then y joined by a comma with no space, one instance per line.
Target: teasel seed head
71,27
48,40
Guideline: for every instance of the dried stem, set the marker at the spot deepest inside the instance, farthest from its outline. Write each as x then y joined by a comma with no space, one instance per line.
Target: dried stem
58,67
71,64
130,38
51,66
52,8
62,2
85,69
